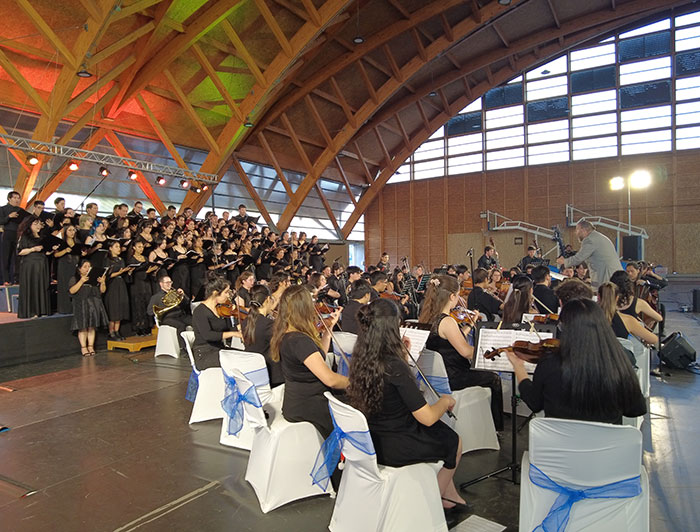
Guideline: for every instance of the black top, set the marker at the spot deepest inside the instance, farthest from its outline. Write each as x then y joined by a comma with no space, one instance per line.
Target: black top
244,295
10,224
208,327
619,327
348,318
401,398
263,335
545,391
373,294
486,262
455,364
546,295
630,311
483,302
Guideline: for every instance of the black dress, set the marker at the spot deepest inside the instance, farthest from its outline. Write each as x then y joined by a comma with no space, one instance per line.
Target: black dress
303,391
399,439
65,269
33,280
140,295
461,375
88,310
116,296
263,335
180,273
208,337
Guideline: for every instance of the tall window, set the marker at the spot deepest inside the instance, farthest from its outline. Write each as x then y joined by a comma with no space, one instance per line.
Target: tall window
637,92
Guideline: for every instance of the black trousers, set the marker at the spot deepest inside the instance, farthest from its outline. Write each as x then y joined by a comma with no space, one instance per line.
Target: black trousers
8,257
180,322
487,379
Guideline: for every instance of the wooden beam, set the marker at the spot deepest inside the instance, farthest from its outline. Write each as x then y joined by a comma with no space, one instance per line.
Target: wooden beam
319,121
395,70
404,135
18,78
100,82
363,163
90,114
134,8
252,192
419,45
243,53
120,44
46,31
385,152
312,11
476,12
500,35
191,113
289,6
554,13
329,211
19,155
92,9
423,116
443,100
160,131
274,26
344,177
368,82
143,183
211,72
297,144
343,102
447,28
276,166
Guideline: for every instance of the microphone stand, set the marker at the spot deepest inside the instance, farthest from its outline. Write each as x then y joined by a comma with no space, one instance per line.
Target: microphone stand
470,254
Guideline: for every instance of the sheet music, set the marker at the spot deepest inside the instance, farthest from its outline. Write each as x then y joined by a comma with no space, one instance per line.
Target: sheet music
418,338
474,523
493,338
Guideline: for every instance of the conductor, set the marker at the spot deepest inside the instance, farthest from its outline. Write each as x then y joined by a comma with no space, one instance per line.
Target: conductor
597,250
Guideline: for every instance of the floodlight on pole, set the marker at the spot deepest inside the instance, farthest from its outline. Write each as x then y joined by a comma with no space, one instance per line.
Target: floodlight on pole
640,179
617,183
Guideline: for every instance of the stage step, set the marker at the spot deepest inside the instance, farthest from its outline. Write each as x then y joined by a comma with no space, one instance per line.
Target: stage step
134,343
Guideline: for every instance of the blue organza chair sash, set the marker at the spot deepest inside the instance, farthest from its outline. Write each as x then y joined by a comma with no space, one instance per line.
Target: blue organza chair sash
192,387
441,384
259,377
343,368
329,454
232,403
558,516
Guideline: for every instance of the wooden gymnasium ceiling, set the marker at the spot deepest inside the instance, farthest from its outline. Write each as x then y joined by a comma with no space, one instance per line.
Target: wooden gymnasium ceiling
193,72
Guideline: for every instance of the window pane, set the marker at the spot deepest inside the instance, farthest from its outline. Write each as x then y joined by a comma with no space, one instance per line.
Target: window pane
474,106
508,116
687,63
465,164
465,144
591,126
646,46
505,158
688,38
593,103
687,88
593,79
687,138
548,131
438,134
429,150
645,94
465,123
503,138
402,174
655,117
548,153
646,142
593,57
649,28
557,66
428,169
645,71
595,148
546,88
505,95
690,18
548,109
688,113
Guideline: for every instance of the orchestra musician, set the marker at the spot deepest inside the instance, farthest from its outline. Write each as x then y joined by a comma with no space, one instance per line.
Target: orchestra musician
588,378
257,330
359,295
530,258
383,264
244,283
441,296
609,299
488,260
545,299
597,250
648,283
629,303
479,299
178,317
404,428
581,272
520,300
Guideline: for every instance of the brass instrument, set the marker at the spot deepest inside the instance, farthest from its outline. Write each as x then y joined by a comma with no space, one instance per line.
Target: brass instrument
171,299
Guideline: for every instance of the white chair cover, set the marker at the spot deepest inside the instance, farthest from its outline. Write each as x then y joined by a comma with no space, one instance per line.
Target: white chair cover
166,341
253,367
210,390
643,356
379,498
582,455
641,375
281,457
474,421
346,343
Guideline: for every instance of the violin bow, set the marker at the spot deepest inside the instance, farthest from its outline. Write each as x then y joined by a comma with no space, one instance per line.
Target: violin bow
545,306
335,341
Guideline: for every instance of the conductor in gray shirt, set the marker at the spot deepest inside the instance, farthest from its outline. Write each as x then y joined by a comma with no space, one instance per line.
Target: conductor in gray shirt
597,250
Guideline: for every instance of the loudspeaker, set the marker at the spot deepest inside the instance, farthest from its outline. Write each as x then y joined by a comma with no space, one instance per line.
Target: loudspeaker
632,247
676,352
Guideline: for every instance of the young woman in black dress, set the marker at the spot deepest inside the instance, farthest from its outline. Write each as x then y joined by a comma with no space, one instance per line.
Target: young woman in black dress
33,270
302,352
404,428
198,269
180,272
589,377
88,311
211,329
67,262
140,290
117,296
441,296
244,283
257,330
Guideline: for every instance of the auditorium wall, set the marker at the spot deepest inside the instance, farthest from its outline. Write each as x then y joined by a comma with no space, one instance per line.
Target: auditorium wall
435,221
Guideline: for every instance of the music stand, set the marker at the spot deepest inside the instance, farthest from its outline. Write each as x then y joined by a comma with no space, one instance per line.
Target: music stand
502,336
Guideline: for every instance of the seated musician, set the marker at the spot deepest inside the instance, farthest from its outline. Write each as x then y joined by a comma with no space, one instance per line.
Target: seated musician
244,283
589,377
383,264
572,289
609,298
404,428
462,273
441,296
529,258
359,295
210,328
322,291
487,260
545,299
378,280
646,280
519,301
628,303
178,317
481,300
582,272
257,330
297,344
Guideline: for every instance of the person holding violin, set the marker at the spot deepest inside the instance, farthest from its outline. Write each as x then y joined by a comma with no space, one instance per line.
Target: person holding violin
211,330
530,258
479,299
244,283
404,428
588,377
609,299
257,330
297,344
545,299
628,302
359,295
520,300
446,337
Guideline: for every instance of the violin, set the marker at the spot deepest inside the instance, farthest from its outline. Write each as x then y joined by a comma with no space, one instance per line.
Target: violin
530,352
324,308
546,318
323,324
464,316
466,288
390,295
229,310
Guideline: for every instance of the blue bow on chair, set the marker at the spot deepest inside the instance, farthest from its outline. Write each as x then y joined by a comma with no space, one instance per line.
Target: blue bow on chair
558,516
329,454
441,384
232,403
192,387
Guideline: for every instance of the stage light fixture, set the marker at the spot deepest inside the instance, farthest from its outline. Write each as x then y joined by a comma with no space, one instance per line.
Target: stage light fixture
617,183
33,160
184,184
196,189
432,94
104,171
133,175
248,124
73,166
83,72
358,39
504,2
205,187
160,180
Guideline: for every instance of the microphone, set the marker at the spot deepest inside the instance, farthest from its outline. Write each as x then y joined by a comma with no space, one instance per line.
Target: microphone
470,252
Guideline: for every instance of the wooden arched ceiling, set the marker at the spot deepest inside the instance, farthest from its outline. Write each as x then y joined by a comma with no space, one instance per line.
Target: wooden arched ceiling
194,72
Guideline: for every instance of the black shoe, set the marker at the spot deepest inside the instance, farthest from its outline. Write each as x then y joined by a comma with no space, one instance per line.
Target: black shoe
119,336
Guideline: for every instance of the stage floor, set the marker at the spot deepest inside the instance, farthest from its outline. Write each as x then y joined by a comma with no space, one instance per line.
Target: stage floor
106,444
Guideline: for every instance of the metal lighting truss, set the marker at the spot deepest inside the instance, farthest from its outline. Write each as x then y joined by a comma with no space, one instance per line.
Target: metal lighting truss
104,159
574,216
498,222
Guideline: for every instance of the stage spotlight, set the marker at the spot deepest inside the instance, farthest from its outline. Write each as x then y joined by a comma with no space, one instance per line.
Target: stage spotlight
73,166
184,184
33,160
104,172
204,187
248,124
133,175
160,180
197,189
83,72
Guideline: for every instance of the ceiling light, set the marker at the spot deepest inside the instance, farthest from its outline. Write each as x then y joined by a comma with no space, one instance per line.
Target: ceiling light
545,72
104,172
205,187
248,124
640,179
184,183
617,183
73,166
504,2
432,94
33,160
197,190
160,180
133,175
358,39
83,72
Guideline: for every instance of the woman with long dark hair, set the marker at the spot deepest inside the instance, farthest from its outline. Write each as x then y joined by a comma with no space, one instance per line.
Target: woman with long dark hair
66,263
623,324
33,270
520,300
117,296
404,428
140,289
180,272
302,352
628,303
441,296
88,311
257,330
589,377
